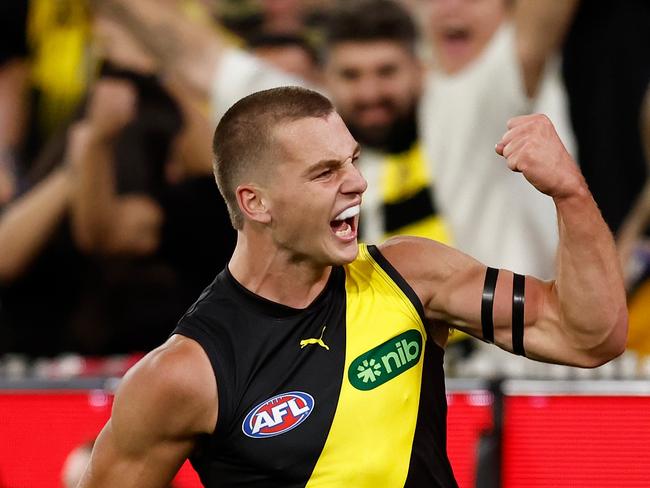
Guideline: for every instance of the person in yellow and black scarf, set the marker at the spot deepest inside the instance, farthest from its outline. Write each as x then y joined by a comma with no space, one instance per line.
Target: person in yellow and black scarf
49,43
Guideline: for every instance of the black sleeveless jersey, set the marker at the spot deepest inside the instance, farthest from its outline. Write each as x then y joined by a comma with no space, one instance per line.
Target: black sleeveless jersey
346,392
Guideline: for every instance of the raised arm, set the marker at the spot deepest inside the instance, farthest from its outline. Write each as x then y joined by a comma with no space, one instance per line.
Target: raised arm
580,318
103,221
14,76
540,30
27,223
185,49
162,405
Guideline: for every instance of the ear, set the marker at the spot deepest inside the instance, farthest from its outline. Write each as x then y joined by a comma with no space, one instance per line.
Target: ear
252,203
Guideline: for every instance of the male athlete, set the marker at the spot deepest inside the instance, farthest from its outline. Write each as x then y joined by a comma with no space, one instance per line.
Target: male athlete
313,360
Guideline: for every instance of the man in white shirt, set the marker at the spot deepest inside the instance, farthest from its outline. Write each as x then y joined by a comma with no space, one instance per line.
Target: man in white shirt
489,67
487,74
372,74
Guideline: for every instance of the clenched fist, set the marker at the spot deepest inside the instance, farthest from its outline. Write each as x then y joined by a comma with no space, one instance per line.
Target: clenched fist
532,147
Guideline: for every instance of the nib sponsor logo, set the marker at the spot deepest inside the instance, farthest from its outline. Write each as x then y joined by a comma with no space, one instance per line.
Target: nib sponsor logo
278,415
386,361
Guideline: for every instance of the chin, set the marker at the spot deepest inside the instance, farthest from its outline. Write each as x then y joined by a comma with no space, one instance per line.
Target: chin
346,255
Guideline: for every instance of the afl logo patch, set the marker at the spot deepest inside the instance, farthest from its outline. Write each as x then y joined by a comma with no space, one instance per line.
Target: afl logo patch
278,415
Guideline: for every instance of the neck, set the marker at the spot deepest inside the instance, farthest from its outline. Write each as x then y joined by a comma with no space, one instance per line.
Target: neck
274,274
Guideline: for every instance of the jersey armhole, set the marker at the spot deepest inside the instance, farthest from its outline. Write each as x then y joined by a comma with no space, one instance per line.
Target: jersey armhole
399,280
224,411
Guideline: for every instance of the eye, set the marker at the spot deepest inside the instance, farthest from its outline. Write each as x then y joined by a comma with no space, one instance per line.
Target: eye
325,173
387,71
349,74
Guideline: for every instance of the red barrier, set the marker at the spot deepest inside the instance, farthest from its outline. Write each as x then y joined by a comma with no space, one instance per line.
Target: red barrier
576,441
39,429
549,441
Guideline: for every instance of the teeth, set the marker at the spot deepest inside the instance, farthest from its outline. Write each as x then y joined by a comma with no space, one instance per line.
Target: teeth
348,212
345,231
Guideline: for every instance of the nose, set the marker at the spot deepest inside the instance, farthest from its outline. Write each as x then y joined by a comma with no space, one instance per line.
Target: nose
368,91
354,182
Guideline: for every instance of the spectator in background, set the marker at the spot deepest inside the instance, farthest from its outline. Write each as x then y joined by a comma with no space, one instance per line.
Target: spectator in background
13,83
42,273
490,64
137,215
141,203
607,70
371,72
290,53
46,67
374,77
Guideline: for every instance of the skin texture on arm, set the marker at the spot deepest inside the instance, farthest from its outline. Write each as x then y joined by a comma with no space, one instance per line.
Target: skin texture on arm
186,50
104,222
580,318
540,30
194,142
163,403
29,221
13,111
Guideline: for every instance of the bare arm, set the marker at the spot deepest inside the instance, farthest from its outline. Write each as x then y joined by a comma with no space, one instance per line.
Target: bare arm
104,222
13,83
162,405
186,50
540,29
581,318
194,143
29,221
13,110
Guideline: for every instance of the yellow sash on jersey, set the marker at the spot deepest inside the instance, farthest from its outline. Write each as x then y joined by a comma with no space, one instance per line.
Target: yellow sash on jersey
370,440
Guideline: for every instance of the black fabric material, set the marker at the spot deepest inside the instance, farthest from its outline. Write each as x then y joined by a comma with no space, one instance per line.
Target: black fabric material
518,301
254,347
606,67
38,308
13,30
487,304
413,209
426,470
397,278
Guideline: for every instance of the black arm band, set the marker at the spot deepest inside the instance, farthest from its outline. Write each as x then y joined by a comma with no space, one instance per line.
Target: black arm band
487,304
518,292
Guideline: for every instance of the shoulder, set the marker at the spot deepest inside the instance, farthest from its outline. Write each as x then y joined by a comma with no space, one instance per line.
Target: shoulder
417,257
170,393
425,264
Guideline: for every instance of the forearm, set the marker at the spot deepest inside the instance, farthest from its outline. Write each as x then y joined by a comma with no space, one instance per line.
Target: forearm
589,286
186,50
194,143
93,202
540,29
27,223
13,82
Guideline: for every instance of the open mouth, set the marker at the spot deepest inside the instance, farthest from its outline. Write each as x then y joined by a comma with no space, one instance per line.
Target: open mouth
344,224
456,34
454,39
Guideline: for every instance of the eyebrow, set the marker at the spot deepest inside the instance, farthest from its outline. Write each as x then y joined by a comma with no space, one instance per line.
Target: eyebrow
329,163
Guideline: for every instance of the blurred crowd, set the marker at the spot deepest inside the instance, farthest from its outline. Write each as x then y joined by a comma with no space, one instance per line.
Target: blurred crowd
111,224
